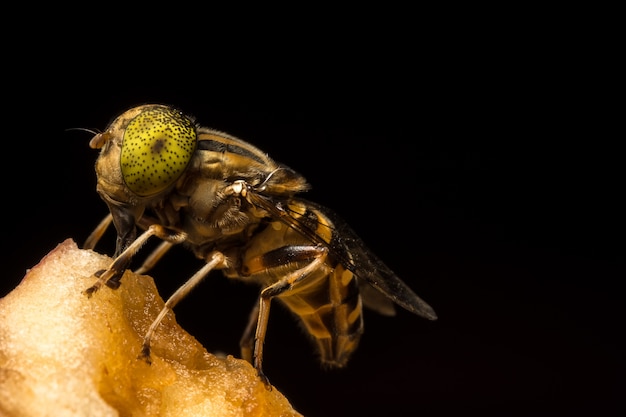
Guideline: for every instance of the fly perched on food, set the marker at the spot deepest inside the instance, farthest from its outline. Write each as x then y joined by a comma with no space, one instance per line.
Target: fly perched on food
238,210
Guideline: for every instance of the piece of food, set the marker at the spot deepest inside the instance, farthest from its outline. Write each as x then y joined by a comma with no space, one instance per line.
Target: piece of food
64,354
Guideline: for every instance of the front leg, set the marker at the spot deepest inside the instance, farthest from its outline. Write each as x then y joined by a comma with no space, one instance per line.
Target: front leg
123,218
112,275
94,237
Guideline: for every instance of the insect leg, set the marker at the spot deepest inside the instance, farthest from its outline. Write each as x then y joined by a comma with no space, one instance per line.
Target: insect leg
154,257
214,259
279,257
94,237
246,343
111,276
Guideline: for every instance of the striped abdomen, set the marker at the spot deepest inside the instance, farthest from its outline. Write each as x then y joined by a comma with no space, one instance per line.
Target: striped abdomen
329,307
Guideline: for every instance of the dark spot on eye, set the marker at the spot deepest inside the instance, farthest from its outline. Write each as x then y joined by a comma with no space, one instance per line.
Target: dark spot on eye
158,146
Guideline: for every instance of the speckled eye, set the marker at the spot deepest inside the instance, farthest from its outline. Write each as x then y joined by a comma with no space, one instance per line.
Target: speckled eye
157,147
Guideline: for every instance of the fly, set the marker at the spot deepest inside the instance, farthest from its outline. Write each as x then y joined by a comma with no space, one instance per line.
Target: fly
163,174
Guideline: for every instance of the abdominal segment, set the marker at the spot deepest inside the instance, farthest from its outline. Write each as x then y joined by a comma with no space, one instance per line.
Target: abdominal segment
329,307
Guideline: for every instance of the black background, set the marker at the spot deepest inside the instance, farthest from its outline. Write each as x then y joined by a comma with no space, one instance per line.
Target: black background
487,174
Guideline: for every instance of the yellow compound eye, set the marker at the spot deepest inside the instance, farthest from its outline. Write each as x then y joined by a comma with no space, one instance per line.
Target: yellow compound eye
157,147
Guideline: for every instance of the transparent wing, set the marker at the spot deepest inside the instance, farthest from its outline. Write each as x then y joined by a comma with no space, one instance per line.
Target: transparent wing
351,252
366,265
